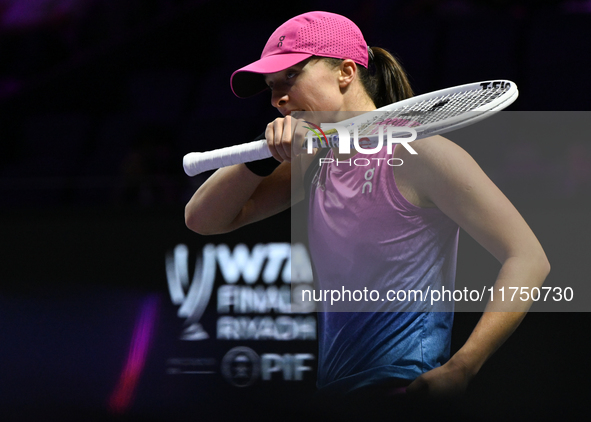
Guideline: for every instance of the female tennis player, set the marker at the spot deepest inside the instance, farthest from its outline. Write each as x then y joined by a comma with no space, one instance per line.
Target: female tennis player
392,227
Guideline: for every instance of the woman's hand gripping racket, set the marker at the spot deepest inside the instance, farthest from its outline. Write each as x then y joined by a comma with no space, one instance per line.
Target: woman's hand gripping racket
428,114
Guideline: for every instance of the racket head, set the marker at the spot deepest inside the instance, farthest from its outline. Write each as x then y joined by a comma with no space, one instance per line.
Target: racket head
440,111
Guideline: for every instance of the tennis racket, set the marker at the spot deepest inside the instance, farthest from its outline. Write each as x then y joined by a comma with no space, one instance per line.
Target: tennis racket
428,114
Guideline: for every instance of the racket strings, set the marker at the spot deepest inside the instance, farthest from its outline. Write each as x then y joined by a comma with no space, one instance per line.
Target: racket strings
432,110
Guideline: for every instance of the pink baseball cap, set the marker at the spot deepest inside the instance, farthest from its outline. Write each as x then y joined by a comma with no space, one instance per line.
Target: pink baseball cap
311,34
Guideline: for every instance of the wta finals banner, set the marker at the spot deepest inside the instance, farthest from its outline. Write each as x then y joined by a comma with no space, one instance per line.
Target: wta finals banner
236,302
129,313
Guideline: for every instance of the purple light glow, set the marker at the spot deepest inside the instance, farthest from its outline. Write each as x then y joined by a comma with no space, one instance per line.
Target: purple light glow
31,13
123,394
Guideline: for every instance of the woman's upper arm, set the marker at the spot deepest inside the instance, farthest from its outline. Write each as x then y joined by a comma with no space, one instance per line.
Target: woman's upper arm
450,178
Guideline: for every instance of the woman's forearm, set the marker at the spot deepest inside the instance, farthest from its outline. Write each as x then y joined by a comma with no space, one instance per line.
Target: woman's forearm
234,196
219,201
502,317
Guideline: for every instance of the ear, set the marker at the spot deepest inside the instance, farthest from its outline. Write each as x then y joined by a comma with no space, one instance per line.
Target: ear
347,72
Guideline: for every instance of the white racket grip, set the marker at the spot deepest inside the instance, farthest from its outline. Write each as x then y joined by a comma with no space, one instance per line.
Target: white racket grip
198,162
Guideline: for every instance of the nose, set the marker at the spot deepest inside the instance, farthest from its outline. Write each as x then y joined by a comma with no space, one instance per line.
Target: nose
279,99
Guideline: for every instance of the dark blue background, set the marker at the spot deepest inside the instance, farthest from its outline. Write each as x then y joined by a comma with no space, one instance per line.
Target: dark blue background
98,106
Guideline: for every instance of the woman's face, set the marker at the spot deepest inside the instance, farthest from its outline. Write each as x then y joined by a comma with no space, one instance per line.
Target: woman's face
311,85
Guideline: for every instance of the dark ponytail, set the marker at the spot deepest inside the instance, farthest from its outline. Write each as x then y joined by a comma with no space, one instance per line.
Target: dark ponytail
387,82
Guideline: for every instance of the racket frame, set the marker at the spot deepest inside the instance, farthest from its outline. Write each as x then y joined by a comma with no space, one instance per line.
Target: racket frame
198,162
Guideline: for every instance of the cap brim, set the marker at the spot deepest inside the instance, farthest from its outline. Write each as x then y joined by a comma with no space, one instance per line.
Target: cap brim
247,81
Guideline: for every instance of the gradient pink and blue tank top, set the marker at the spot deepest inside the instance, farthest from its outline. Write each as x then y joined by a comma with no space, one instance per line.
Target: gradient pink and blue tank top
363,233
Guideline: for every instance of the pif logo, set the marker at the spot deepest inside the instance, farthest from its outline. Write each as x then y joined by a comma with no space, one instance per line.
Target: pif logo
280,43
242,366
